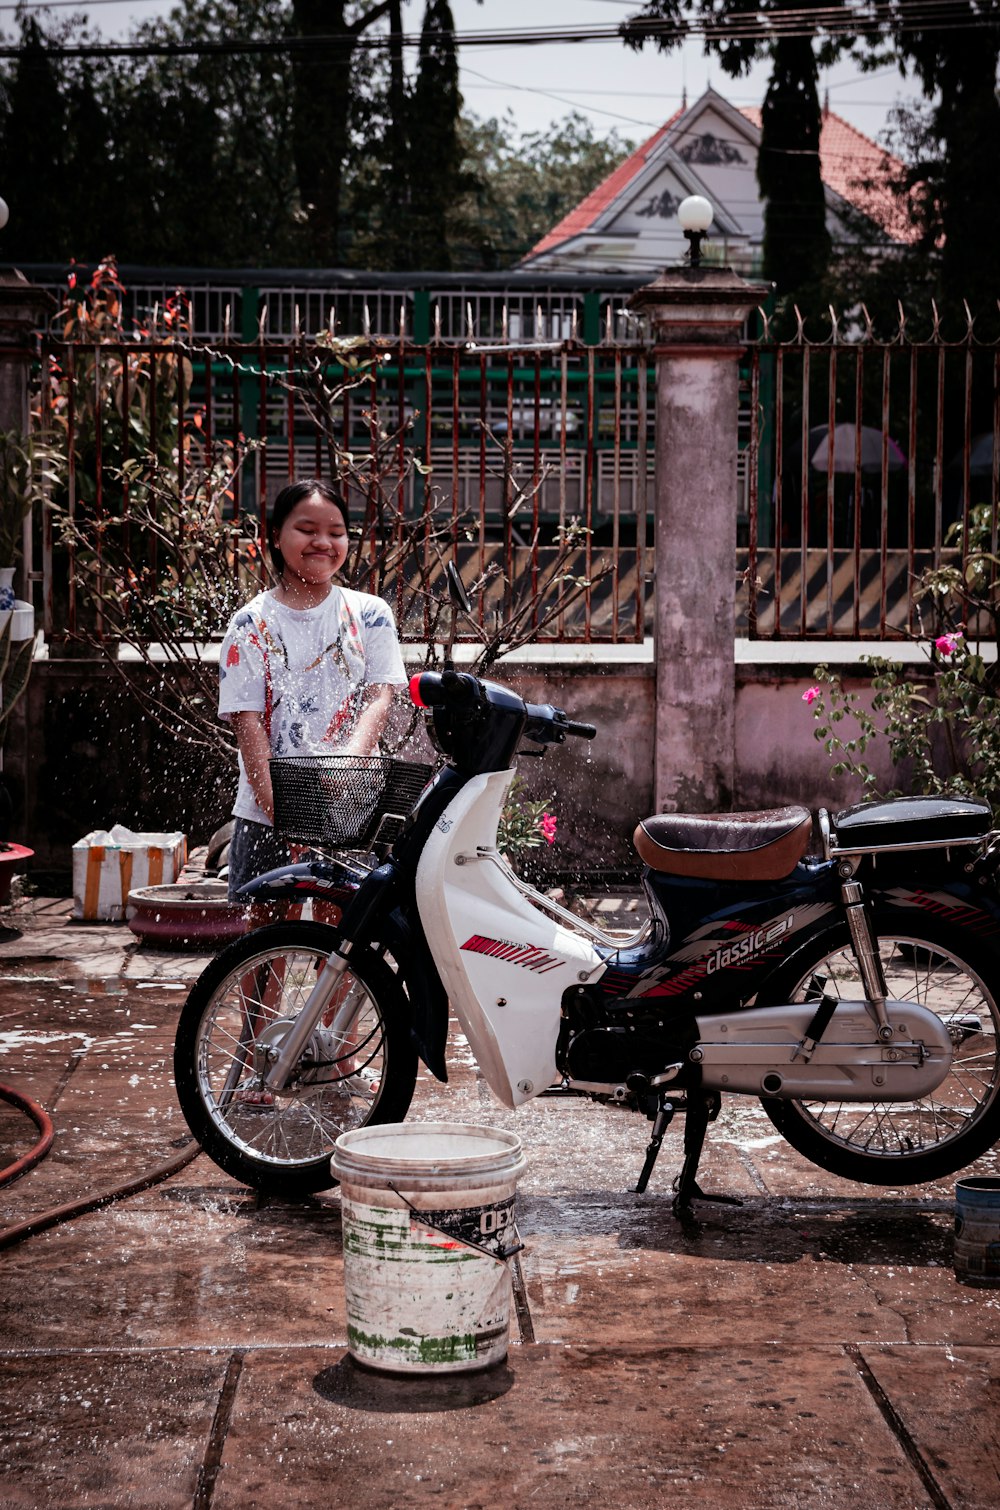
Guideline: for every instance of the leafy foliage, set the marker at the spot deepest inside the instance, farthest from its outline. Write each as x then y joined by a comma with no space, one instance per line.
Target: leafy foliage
113,388
29,468
519,187
323,157
959,136
524,824
942,732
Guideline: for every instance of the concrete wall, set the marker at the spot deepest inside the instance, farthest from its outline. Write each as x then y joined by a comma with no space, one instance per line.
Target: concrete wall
91,759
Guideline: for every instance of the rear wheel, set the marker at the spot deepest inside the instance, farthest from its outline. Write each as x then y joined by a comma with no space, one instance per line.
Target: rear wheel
358,1067
892,1143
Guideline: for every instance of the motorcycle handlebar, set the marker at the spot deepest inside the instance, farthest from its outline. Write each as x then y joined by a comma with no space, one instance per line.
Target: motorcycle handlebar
581,731
464,693
549,725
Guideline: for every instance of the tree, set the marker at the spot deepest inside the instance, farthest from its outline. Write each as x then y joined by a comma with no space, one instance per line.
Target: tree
435,149
282,159
321,125
221,158
958,213
796,240
34,150
517,188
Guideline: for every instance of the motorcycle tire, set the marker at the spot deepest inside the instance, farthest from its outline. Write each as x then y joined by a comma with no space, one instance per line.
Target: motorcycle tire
903,1143
282,1144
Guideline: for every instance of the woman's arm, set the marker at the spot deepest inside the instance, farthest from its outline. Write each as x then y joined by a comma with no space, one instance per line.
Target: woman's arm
255,748
375,707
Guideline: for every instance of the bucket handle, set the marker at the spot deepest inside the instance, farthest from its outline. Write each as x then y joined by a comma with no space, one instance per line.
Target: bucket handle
501,1255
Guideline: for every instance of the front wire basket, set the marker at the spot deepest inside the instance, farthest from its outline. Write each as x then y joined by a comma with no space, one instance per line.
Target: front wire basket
344,801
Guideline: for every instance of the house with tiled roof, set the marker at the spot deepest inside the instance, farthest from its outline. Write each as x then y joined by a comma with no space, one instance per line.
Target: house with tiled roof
628,224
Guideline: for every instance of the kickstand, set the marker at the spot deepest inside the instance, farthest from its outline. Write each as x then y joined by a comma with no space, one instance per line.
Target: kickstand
662,1120
701,1110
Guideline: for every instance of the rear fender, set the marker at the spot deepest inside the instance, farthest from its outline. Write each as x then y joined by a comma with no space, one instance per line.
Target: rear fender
952,905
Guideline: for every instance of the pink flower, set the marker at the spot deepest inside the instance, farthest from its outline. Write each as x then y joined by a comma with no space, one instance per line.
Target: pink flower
947,644
547,824
811,695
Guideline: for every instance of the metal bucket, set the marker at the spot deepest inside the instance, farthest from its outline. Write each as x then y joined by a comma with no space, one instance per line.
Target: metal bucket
428,1217
977,1232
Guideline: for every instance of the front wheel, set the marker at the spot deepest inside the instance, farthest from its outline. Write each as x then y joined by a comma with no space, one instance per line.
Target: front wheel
901,1143
358,1067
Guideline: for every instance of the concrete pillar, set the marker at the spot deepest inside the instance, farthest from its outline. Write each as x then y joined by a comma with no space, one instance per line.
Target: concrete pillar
697,316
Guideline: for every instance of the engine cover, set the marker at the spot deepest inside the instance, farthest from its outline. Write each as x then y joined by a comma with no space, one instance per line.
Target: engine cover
613,1054
756,1052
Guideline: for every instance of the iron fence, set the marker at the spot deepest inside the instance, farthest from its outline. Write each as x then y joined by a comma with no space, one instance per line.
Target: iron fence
253,303
861,462
528,466
869,460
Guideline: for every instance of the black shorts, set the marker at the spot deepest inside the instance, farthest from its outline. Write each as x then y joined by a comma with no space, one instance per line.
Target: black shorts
254,849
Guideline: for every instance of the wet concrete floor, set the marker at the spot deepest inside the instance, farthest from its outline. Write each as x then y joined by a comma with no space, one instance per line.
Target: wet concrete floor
187,1346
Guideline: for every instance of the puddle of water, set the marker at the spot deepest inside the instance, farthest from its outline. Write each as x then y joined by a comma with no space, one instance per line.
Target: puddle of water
16,1038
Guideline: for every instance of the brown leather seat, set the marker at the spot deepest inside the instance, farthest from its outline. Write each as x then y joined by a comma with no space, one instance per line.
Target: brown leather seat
762,846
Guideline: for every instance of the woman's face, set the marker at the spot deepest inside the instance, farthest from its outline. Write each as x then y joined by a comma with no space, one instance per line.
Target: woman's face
313,540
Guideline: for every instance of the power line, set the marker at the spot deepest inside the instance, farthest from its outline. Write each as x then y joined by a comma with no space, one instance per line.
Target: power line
830,20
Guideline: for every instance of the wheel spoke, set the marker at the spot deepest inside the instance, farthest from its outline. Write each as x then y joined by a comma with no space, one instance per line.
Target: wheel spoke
303,1123
938,981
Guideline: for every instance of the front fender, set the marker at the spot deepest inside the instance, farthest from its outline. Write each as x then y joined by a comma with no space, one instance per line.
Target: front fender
427,996
327,880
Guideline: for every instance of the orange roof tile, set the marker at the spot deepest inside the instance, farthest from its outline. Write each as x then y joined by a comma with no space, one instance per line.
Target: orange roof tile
859,170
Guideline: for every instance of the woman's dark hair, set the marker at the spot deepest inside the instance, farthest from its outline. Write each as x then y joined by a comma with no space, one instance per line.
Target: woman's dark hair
286,501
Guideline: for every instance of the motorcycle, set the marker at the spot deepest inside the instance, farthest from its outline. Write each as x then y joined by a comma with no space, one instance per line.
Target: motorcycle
854,990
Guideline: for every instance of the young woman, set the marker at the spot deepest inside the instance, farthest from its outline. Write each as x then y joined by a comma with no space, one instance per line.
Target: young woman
306,668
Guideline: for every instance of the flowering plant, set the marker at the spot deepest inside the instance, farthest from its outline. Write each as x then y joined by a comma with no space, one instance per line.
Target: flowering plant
524,824
944,732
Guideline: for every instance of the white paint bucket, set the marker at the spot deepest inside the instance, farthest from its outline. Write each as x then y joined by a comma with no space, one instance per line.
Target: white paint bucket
428,1213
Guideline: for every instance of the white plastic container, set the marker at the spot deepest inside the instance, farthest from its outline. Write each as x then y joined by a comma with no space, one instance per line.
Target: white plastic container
109,863
428,1214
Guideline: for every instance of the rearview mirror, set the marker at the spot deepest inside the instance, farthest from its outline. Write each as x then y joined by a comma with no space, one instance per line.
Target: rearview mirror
456,588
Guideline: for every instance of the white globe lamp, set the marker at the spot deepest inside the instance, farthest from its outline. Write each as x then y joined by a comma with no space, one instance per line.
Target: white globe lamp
695,216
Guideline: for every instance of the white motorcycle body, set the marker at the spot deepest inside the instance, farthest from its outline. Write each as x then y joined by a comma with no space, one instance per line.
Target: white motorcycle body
504,963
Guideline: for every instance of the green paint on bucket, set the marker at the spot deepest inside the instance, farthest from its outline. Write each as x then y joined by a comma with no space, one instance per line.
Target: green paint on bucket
977,1232
428,1212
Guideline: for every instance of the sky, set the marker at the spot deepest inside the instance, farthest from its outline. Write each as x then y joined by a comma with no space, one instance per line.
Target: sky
612,86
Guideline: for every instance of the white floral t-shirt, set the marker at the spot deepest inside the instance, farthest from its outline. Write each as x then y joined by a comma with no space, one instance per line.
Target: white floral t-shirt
306,670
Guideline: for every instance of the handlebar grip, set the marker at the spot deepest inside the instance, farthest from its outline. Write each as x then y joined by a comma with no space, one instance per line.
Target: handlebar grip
582,731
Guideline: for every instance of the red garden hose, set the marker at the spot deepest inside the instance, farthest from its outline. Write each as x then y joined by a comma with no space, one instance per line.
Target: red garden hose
45,1219
42,1121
